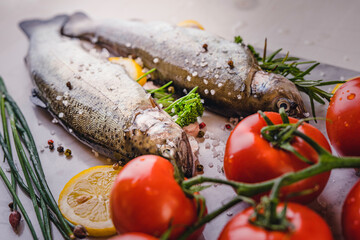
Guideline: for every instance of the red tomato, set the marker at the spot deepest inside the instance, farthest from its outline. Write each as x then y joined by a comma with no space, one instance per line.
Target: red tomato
307,225
351,214
343,127
250,158
146,198
133,236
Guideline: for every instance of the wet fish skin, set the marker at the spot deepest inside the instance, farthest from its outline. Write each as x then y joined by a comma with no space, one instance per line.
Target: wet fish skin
97,101
178,55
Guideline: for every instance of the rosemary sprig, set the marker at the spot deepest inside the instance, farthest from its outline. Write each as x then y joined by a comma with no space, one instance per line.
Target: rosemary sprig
289,67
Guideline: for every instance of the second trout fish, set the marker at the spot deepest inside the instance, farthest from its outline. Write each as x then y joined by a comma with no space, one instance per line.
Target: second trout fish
228,77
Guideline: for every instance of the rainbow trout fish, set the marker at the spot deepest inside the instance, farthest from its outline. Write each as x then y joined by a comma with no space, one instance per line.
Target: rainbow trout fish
97,101
229,79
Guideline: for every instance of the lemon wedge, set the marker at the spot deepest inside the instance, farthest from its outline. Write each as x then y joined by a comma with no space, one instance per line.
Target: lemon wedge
85,200
132,68
191,24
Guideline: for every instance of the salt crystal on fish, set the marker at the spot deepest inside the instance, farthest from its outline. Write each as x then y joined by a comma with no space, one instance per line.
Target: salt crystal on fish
216,75
220,85
215,143
59,98
238,96
206,91
194,74
61,115
54,121
185,91
188,78
203,64
206,81
65,102
128,45
212,91
156,60
104,53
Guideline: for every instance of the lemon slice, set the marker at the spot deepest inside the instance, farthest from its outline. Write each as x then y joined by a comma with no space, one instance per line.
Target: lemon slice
85,200
339,85
191,24
132,68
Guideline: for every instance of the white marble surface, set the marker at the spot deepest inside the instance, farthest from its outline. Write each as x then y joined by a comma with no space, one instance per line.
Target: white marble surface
326,31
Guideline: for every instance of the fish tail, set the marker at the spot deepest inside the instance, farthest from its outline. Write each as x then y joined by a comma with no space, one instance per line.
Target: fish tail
29,26
72,22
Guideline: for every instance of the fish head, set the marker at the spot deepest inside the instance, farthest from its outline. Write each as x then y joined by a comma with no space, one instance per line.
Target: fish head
165,138
270,92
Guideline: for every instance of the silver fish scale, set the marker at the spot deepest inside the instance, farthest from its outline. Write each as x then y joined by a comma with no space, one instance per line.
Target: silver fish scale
105,109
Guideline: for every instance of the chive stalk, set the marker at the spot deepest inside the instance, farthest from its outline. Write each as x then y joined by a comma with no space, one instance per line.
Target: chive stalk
18,202
22,156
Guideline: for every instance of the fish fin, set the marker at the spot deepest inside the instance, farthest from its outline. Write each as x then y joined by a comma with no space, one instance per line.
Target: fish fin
28,26
71,23
36,100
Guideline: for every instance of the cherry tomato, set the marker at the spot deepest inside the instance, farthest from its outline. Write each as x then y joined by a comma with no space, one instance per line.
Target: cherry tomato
343,125
133,236
306,225
351,214
146,198
250,158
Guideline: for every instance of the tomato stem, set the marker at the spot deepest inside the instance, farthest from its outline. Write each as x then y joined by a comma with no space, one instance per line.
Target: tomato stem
326,162
211,216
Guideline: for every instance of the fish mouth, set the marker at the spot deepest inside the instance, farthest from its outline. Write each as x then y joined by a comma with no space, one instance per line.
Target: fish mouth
180,154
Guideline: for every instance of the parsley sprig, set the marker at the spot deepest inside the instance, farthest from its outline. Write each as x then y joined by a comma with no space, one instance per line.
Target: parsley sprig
289,67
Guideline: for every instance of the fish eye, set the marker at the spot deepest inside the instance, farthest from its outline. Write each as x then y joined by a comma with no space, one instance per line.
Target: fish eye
283,103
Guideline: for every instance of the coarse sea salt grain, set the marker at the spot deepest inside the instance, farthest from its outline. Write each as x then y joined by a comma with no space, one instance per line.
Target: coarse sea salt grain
206,91
194,74
206,81
212,91
59,98
188,78
156,60
54,120
61,115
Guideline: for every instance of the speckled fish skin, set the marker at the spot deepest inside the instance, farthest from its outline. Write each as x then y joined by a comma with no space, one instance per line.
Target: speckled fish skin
179,55
97,101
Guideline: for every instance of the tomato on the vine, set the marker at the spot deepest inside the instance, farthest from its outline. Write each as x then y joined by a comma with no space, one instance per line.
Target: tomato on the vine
306,224
134,236
250,158
343,119
146,198
350,218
